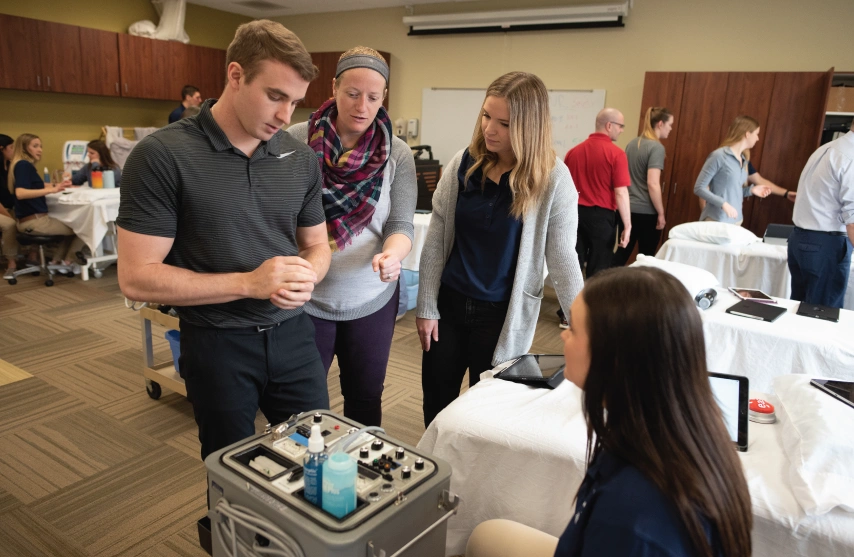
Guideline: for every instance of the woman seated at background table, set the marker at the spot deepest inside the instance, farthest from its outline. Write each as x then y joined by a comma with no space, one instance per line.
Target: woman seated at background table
722,182
8,224
369,194
504,205
30,204
99,159
663,477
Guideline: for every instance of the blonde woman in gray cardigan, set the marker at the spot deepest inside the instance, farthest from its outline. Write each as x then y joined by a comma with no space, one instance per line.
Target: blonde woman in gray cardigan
504,206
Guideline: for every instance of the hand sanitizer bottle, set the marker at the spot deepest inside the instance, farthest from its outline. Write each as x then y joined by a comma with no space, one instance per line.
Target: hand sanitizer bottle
313,466
339,484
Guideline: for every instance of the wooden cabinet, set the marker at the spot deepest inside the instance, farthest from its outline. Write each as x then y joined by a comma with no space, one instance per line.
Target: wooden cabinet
61,61
789,107
39,56
320,90
145,67
201,67
100,62
20,65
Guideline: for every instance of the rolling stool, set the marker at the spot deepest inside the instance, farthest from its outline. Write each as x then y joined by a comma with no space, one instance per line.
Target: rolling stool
40,241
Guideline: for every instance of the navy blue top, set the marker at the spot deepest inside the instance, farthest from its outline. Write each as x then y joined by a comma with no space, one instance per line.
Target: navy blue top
750,168
175,115
620,512
26,176
482,263
6,198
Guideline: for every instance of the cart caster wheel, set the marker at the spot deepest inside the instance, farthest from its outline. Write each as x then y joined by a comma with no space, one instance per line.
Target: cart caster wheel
48,282
97,273
153,390
35,274
13,281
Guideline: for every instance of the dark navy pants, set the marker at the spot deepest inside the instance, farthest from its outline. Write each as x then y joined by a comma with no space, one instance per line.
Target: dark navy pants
362,346
468,334
819,263
231,373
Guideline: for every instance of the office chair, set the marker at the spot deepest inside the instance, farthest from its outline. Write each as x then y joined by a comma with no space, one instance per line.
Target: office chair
49,270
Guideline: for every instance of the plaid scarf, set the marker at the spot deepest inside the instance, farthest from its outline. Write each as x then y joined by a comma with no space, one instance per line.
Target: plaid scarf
352,179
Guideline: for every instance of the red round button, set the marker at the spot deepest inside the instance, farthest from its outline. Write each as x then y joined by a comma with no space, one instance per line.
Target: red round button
761,406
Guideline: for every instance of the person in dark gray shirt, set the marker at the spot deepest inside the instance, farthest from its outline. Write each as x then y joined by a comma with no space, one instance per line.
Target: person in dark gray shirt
646,162
221,216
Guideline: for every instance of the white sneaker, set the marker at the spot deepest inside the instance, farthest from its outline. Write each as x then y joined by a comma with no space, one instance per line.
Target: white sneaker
75,268
10,274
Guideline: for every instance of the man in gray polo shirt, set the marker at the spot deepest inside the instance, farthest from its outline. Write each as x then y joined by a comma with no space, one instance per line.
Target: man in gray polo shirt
821,243
221,216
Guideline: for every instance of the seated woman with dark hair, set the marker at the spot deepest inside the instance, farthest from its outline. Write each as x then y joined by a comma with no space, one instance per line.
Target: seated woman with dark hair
663,477
99,159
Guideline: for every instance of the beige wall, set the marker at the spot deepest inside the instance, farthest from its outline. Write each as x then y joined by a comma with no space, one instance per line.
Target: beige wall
660,35
57,117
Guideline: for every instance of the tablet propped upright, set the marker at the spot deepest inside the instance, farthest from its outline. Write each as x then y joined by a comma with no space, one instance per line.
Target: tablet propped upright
732,393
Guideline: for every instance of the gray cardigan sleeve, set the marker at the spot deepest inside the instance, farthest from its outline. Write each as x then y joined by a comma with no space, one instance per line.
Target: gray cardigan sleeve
403,194
561,257
438,242
701,187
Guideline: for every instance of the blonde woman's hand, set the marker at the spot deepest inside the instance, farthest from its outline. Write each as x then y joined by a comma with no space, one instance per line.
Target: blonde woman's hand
729,210
388,266
428,330
761,191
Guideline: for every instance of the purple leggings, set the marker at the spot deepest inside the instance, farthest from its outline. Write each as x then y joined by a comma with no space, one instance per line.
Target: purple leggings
362,346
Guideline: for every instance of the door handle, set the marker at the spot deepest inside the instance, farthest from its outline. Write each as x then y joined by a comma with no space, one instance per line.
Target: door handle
39,80
117,87
126,87
48,81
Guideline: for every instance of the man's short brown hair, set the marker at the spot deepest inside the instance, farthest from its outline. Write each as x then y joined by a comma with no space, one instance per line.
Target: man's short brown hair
263,39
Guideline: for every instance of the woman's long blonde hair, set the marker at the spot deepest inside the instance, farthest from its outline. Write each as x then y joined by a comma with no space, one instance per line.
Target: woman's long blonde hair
653,116
530,139
740,126
20,154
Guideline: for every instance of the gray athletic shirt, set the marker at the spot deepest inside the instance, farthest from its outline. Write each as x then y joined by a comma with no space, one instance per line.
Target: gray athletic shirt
351,288
649,154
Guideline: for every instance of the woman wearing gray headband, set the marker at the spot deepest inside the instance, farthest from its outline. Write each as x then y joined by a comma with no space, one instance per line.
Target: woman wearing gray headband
369,193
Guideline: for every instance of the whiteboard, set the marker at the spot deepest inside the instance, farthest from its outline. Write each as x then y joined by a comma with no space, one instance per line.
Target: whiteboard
448,118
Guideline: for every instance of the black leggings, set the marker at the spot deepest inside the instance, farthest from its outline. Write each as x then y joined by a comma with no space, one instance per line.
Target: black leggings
644,233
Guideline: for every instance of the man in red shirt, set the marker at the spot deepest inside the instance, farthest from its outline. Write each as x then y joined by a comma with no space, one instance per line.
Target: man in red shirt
600,171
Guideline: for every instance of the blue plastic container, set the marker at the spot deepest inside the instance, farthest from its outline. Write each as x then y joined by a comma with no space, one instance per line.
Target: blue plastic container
411,287
339,485
174,338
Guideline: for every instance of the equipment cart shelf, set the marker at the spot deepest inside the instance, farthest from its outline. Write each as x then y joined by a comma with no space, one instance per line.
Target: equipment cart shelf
160,374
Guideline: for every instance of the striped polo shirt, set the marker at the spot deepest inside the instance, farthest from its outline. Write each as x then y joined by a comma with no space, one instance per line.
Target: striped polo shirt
225,211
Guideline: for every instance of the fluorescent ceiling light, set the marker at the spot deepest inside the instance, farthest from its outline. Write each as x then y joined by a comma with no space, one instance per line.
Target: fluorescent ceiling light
603,15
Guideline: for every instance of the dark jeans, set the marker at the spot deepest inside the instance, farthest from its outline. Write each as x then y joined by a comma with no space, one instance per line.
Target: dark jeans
362,346
597,229
643,233
230,373
819,263
468,334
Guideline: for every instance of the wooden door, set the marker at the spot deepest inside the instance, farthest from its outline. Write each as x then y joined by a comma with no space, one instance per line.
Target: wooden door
100,62
20,63
700,131
61,62
749,93
795,120
664,89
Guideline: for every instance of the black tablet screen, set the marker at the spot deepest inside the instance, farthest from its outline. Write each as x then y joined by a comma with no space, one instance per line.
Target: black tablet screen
535,366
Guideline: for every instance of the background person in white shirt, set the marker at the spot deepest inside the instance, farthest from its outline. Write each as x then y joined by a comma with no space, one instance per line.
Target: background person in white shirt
821,243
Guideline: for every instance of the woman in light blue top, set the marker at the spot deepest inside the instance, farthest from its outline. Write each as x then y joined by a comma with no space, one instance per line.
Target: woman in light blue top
721,185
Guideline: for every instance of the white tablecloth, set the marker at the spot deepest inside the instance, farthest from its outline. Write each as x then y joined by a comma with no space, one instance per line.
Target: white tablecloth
87,211
519,453
421,222
759,265
793,343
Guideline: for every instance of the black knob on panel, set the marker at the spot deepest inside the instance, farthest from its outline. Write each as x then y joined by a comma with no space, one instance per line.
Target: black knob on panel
419,463
318,417
405,472
363,452
398,453
377,445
